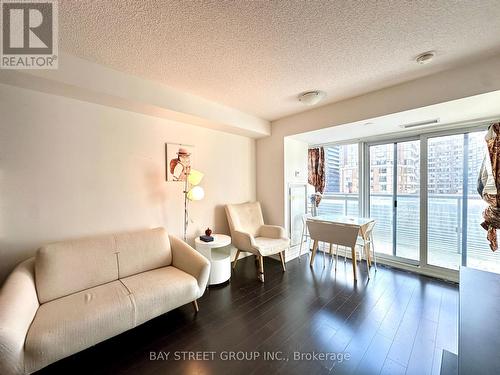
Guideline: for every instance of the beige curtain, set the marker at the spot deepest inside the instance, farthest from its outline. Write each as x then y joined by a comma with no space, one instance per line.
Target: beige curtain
316,173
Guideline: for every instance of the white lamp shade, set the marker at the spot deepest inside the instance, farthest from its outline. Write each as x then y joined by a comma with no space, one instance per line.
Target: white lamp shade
195,177
196,193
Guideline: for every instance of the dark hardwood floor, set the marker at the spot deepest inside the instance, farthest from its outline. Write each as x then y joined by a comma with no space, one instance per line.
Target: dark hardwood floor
395,323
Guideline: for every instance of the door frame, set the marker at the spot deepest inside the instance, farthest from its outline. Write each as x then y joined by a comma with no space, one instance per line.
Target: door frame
366,193
422,264
424,148
423,135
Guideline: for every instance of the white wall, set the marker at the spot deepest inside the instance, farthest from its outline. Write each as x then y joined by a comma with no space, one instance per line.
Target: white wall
295,164
70,168
105,86
295,160
473,79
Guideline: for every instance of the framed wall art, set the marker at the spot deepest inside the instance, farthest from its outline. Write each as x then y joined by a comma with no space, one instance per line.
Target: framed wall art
178,161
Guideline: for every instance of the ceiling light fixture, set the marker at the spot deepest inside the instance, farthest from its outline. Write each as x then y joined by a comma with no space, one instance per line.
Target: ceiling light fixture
420,123
425,57
311,97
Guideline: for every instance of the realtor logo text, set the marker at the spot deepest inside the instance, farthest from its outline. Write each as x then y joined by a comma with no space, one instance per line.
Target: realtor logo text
29,34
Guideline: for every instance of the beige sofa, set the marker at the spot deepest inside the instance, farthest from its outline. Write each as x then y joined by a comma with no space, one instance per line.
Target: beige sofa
75,294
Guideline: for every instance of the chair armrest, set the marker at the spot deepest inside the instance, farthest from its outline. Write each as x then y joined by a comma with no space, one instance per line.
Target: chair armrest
18,306
190,261
272,231
243,241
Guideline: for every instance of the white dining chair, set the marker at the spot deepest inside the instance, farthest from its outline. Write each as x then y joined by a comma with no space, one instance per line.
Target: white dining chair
365,241
334,233
305,234
306,238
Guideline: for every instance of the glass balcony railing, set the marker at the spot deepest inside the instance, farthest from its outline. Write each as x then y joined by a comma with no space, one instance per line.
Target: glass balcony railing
339,204
445,227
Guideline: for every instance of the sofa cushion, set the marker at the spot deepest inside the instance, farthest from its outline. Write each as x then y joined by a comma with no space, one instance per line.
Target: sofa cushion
69,324
143,250
68,267
161,290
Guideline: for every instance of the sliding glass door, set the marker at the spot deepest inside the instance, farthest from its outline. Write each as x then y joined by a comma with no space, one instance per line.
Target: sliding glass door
455,237
445,180
394,197
408,200
422,193
382,196
478,253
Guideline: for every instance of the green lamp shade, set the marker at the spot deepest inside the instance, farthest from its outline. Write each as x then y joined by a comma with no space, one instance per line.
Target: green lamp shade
195,177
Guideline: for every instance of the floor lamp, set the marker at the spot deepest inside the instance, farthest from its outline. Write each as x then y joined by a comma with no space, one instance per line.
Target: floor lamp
192,192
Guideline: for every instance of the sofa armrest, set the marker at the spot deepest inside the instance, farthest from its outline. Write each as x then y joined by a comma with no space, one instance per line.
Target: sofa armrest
190,261
272,231
243,241
18,306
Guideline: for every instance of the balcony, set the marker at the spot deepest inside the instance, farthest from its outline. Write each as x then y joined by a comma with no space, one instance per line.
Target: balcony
445,227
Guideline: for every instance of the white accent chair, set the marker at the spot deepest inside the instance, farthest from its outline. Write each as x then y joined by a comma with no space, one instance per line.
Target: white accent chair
250,234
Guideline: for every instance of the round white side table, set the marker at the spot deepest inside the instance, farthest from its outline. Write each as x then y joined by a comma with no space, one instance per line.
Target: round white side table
218,252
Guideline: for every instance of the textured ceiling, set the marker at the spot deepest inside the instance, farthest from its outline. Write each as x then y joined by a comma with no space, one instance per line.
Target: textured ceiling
257,56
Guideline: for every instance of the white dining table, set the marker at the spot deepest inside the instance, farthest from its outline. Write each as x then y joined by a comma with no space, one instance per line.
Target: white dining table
340,220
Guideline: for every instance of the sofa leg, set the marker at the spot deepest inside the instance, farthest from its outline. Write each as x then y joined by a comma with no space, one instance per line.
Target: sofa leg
195,305
236,259
261,269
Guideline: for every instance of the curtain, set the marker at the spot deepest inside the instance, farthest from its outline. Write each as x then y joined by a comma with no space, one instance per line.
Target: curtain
489,185
316,171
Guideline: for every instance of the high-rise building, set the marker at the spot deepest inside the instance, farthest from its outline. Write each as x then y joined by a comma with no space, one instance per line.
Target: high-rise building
445,166
332,169
341,163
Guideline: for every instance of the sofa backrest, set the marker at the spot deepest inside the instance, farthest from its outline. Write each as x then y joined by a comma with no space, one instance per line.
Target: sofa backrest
68,267
142,251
